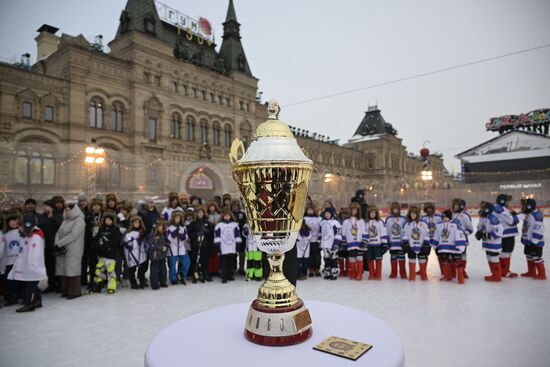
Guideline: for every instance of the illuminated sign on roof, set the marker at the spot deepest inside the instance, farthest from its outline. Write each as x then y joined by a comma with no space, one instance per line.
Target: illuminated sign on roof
201,28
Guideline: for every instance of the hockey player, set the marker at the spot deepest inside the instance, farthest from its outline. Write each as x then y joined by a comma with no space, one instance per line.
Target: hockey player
178,259
353,229
105,245
29,267
532,237
254,266
376,238
226,237
331,237
450,243
313,221
14,238
489,231
464,223
509,222
432,219
134,250
173,204
303,250
395,223
416,243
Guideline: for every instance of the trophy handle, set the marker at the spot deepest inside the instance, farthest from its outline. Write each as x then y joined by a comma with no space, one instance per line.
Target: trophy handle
236,146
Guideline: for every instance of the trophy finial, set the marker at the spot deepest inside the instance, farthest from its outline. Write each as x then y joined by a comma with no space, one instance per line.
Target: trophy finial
273,109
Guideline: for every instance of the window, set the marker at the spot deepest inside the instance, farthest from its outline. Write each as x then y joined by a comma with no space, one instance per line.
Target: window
115,174
146,78
48,169
108,175
38,170
216,134
371,163
152,129
157,80
184,89
174,87
151,178
227,136
117,117
96,114
204,132
247,107
227,102
190,129
27,110
212,99
48,113
21,167
176,126
203,95
241,105
245,141
35,168
220,100
194,92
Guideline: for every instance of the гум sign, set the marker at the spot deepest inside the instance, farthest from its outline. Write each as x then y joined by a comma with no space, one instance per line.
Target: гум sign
201,28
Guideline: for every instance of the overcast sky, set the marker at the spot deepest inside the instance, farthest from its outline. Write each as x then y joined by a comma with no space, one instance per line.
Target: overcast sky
305,49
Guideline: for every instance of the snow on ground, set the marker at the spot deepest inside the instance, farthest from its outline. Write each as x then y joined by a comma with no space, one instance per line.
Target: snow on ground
441,324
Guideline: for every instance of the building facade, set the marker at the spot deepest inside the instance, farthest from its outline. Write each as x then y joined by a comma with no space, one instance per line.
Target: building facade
164,104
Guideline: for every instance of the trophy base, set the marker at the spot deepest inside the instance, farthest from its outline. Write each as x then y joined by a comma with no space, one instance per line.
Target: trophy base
278,326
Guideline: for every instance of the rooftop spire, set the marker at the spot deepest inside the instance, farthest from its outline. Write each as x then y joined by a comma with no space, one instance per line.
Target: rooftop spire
231,49
231,12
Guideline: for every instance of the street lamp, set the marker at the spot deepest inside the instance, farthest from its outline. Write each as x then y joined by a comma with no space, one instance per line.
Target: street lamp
94,156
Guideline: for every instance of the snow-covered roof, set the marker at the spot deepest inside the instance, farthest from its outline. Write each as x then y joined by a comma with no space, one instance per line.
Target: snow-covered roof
359,138
514,144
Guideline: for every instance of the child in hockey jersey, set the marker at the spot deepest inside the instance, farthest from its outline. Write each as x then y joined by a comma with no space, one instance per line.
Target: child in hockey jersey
178,259
157,249
302,249
509,221
134,250
226,237
376,238
450,243
532,237
432,219
254,266
313,221
416,243
489,231
353,230
105,245
173,204
29,267
395,223
331,237
13,239
464,223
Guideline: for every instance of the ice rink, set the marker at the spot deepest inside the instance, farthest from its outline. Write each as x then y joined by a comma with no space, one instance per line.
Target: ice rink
440,323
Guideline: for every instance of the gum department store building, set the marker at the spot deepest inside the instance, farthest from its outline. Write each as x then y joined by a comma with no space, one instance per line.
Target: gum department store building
165,104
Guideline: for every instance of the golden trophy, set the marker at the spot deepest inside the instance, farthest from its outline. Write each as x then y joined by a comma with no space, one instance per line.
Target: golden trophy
273,176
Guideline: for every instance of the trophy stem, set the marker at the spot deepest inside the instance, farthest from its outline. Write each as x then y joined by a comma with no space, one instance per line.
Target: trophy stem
277,291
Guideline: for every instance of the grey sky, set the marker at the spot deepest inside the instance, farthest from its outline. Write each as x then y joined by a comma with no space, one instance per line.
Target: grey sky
304,49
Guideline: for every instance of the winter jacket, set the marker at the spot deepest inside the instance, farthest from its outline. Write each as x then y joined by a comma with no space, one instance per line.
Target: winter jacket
30,265
198,228
107,242
70,236
157,247
134,248
149,218
49,226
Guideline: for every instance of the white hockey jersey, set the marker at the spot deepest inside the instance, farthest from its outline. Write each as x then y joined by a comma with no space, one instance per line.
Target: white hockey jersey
227,235
449,239
30,264
331,233
314,224
464,223
394,228
352,232
375,233
416,234
177,235
14,245
134,248
492,228
508,220
532,232
432,221
303,244
167,212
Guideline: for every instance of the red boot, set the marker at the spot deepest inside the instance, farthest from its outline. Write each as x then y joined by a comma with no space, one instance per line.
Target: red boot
359,275
423,274
541,271
446,268
505,266
460,272
453,270
531,269
393,273
412,271
441,268
342,265
370,264
495,273
352,270
378,275
464,262
402,270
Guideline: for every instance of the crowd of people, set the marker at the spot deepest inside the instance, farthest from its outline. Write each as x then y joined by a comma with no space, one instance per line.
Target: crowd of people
107,243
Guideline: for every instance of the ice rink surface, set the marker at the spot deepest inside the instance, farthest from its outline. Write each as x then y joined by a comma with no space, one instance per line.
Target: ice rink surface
441,324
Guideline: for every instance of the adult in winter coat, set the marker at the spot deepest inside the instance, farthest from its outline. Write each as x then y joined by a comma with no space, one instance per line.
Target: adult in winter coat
49,222
149,215
69,243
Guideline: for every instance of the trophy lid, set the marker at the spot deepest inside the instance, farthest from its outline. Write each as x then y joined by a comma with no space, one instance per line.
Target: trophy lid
273,141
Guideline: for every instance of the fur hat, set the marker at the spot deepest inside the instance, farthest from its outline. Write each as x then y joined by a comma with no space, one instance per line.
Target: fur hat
50,203
236,202
176,213
108,214
413,209
357,206
447,213
225,197
373,208
12,216
329,210
30,201
138,218
97,202
226,211
429,205
215,205
458,202
110,196
58,199
172,196
395,205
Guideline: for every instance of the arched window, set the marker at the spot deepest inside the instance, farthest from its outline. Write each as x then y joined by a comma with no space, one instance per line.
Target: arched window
26,112
190,128
48,169
96,114
35,168
117,116
227,135
115,173
21,167
204,132
216,133
108,175
174,87
48,113
175,130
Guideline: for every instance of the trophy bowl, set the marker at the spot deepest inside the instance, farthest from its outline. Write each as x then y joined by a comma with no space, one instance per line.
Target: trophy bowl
273,175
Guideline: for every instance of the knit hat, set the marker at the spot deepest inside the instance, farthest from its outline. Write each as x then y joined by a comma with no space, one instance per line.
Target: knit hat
30,201
82,198
447,213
